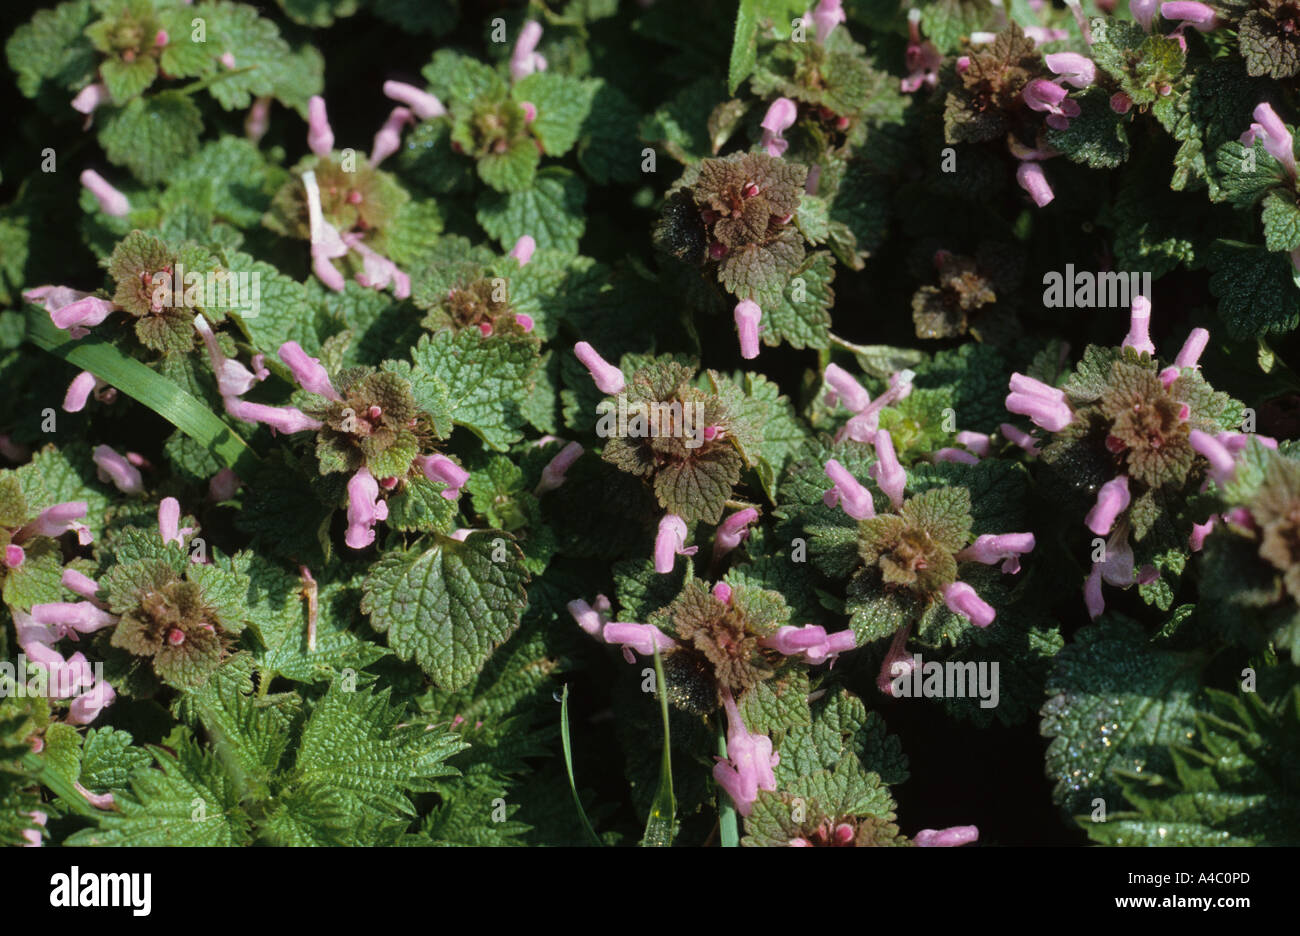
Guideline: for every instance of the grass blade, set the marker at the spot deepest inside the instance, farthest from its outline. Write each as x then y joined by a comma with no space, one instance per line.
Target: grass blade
661,827
568,766
728,824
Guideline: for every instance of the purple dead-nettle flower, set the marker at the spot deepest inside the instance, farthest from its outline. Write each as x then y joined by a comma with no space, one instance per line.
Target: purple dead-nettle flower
591,617
1144,11
1020,438
111,201
1050,98
608,378
258,120
898,663
1112,500
1236,442
864,424
377,270
81,584
57,520
326,242
89,98
14,556
1222,466
70,618
922,58
780,117
826,16
961,599
70,309
954,455
388,138
320,137
1045,406
887,471
748,316
670,542
79,391
1196,540
523,249
233,378
749,763
811,642
1190,354
976,442
555,470
223,485
1277,140
443,470
722,593
308,371
847,492
1031,178
992,548
947,838
1197,15
525,59
286,419
642,638
733,531
842,386
1115,569
86,707
422,104
1078,71
1139,329
113,467
365,509
32,837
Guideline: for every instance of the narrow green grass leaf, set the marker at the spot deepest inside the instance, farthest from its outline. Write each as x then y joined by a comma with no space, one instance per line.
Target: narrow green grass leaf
728,824
661,827
568,766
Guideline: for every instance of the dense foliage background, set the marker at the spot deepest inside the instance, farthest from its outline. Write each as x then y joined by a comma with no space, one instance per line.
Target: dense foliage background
425,708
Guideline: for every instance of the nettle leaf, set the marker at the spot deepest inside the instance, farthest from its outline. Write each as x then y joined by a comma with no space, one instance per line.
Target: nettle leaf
53,47
562,103
449,606
802,318
551,212
1268,45
1281,220
947,22
1117,704
152,136
681,125
841,725
1096,138
485,380
1256,289
273,66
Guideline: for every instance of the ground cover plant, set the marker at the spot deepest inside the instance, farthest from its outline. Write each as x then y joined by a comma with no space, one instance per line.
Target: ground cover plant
608,423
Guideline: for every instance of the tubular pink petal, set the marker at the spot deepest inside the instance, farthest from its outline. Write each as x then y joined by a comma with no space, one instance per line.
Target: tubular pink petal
887,471
442,469
791,641
554,472
643,638
749,764
1030,177
590,619
1192,348
722,593
113,467
608,378
1144,11
15,556
843,387
286,419
748,314
1197,15
388,139
308,371
733,531
826,16
1139,329
956,455
961,599
74,401
320,138
523,249
90,97
365,509
848,492
422,104
1092,596
1044,413
524,60
1222,467
111,201
84,617
169,521
992,548
85,709
670,542
951,837
977,442
80,584
1196,541
1078,71
233,378
1112,499
83,313
1019,438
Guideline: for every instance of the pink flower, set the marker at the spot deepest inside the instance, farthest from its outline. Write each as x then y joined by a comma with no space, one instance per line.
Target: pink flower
955,455
643,638
1049,97
1190,354
826,16
1236,442
113,467
388,139
977,442
258,120
862,427
1076,70
1144,11
87,706
554,472
842,386
922,59
74,401
1222,467
377,270
223,485
1019,437
233,378
780,117
898,663
1139,329
320,138
286,419
440,468
847,492
111,201
1006,548
90,97
670,542
365,509
1277,138
811,642
1045,406
961,599
169,521
748,315
70,309
32,837
1112,500
525,60
422,104
80,584
887,471
15,556
72,617
98,800
722,593
1197,15
591,618
1196,541
733,531
308,371
1093,599
749,763
59,519
1030,177
523,249
326,242
608,378
1121,103
947,838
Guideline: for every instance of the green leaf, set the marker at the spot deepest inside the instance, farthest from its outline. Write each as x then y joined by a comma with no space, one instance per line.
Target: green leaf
568,765
53,47
744,44
551,212
1096,138
661,826
152,136
450,606
563,104
1281,220
1256,289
